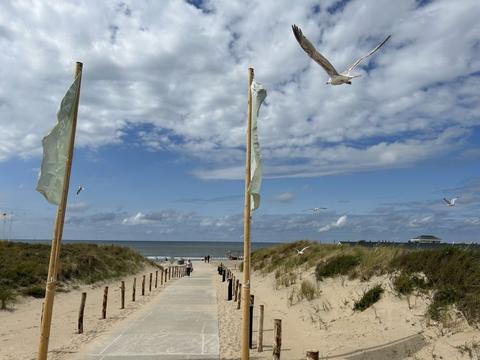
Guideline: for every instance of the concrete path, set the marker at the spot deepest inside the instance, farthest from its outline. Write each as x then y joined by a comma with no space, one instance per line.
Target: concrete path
182,323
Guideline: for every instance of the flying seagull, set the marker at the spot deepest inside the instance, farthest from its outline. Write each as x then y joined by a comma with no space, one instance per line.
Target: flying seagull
316,210
450,202
80,189
300,252
335,77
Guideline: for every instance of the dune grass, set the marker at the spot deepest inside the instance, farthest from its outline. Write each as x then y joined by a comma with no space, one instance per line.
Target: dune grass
370,297
451,275
24,267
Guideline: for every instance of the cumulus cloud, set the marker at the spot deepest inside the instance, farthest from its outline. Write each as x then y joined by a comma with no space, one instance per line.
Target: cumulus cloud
340,222
180,69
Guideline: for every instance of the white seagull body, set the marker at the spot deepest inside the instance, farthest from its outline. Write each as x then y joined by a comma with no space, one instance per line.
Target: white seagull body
316,210
80,189
450,202
336,78
301,252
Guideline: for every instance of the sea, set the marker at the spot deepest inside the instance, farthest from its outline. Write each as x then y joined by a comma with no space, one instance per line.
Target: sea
193,250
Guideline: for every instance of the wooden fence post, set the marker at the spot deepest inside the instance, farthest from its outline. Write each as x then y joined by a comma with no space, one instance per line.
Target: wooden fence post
104,304
229,290
143,285
122,291
161,276
80,312
239,296
260,330
224,274
236,290
156,278
312,355
134,288
250,328
150,283
277,338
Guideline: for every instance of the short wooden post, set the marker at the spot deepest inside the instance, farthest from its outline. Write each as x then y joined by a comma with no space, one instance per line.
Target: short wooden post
236,290
312,355
156,278
150,283
230,290
143,285
260,330
134,288
250,327
80,312
122,291
277,338
239,296
170,273
161,276
104,304
224,274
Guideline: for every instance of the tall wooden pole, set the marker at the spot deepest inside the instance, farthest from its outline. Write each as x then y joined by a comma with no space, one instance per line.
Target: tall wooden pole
57,235
246,229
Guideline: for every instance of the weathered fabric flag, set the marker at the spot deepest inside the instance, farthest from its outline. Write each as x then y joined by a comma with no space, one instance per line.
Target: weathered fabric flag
55,148
258,96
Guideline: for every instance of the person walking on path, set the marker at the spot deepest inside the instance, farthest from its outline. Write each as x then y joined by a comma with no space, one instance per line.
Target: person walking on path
189,267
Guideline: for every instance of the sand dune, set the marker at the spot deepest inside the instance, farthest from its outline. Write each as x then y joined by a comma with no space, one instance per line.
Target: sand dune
393,328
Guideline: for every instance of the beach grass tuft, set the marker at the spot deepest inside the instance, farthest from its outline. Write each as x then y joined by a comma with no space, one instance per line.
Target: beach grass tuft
369,298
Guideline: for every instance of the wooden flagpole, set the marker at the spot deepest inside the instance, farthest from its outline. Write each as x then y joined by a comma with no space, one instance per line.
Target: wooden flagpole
57,236
246,230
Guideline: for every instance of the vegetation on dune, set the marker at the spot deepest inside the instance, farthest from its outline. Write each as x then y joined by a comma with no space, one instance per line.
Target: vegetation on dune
337,265
24,267
451,275
370,297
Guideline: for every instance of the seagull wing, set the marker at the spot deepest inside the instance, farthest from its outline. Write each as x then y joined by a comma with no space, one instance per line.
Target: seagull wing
447,201
454,200
305,248
355,64
308,47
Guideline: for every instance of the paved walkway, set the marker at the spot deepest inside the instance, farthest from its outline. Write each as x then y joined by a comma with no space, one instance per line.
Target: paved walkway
182,323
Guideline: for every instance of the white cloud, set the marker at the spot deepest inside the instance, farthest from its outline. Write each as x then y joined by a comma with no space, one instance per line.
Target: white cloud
284,197
137,219
340,222
183,70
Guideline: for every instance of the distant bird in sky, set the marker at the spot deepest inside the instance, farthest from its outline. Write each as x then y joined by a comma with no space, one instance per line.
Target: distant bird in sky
450,202
80,189
316,210
301,252
335,77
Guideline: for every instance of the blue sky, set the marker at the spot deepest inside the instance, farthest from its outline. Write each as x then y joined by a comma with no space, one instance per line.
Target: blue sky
162,119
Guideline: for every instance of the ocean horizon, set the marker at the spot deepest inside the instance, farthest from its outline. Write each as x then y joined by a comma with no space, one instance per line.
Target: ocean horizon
169,249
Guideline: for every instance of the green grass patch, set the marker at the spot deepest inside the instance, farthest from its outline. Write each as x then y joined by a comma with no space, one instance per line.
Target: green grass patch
24,267
369,298
337,265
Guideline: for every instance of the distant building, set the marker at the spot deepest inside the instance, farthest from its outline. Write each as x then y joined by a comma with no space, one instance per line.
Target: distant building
425,239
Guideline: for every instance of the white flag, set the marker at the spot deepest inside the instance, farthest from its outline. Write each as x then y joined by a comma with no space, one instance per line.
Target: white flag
55,148
258,95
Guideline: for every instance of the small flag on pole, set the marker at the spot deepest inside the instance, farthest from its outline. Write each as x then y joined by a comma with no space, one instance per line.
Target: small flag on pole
55,148
258,96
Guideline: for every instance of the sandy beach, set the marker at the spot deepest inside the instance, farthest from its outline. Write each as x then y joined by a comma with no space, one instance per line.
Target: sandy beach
19,328
394,328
